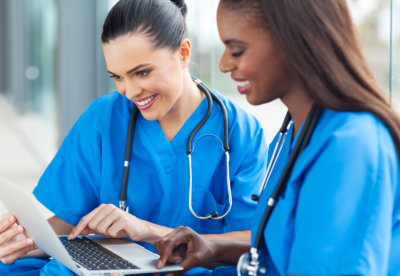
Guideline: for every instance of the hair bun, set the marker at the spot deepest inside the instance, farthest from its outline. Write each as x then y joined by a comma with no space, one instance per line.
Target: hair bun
181,4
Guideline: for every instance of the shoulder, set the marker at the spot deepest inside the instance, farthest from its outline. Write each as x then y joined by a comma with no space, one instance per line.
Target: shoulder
107,102
108,106
355,136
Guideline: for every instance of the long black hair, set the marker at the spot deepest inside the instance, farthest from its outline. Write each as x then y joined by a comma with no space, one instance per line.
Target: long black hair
162,21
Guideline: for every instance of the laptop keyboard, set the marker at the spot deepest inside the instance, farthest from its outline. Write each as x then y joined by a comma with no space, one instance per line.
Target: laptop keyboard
93,256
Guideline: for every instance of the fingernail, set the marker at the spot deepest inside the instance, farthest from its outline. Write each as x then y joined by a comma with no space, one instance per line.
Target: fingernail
70,236
20,228
12,219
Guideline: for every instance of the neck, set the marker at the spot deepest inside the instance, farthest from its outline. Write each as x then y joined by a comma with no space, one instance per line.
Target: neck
188,101
299,105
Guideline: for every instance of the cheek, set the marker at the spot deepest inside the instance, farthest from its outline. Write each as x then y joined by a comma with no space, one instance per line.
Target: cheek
250,68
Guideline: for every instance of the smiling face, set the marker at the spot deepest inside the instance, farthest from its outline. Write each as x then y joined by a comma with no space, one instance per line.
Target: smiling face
152,78
252,57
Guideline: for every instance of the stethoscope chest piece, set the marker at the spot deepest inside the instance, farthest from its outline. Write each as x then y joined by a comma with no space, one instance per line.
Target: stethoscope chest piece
249,265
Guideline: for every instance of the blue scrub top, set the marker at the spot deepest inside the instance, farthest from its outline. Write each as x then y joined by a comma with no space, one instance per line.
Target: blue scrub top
340,212
87,169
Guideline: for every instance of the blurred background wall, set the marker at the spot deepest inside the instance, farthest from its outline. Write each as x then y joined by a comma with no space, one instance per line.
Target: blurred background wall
52,67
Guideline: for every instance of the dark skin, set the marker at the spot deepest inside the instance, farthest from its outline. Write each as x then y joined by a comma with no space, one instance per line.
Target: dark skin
252,57
188,248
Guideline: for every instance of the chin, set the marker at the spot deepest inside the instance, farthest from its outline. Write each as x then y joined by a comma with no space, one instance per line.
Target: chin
253,100
149,116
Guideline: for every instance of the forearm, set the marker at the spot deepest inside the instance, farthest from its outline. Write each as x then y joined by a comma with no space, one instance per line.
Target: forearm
229,252
153,232
230,236
60,227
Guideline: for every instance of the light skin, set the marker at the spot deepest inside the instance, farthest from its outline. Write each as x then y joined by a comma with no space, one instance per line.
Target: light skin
253,59
142,74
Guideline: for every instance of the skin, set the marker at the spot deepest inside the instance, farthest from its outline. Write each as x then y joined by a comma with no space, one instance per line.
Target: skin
250,55
140,71
260,63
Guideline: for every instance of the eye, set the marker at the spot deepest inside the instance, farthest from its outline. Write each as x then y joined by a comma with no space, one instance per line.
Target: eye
143,73
237,53
116,78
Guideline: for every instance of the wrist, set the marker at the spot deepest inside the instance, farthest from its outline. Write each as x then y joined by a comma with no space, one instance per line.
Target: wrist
150,232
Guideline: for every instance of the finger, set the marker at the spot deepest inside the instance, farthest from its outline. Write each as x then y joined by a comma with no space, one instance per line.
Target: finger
166,246
13,247
83,223
9,259
11,233
117,230
108,220
6,221
189,262
102,212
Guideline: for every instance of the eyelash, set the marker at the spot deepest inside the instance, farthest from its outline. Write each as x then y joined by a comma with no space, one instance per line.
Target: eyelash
115,77
237,54
143,73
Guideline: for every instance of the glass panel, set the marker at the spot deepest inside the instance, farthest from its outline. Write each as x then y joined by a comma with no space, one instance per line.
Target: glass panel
395,52
41,33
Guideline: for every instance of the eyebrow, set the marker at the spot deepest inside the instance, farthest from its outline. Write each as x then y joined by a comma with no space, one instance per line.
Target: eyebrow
133,69
233,41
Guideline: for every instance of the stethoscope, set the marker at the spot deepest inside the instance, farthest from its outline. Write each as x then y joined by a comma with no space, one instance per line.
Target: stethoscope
225,146
249,263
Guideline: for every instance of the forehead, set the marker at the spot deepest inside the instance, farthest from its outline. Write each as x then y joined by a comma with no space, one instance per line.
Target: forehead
239,24
130,50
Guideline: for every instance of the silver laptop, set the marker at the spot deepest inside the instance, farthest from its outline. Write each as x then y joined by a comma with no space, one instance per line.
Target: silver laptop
86,255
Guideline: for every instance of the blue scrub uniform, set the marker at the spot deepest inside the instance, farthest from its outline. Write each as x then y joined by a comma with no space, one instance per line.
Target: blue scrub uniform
340,212
87,170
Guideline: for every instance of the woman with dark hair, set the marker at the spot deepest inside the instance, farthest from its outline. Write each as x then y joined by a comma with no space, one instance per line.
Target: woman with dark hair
331,203
147,53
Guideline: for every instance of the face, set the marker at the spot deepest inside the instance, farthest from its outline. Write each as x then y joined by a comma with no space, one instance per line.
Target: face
151,78
251,57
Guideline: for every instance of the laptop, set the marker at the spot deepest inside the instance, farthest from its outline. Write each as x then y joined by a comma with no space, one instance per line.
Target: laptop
86,255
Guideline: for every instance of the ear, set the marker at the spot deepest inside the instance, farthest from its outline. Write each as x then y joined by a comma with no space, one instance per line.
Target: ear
185,51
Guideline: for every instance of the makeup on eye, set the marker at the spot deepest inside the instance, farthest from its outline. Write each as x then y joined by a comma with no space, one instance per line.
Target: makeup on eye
115,77
237,53
143,73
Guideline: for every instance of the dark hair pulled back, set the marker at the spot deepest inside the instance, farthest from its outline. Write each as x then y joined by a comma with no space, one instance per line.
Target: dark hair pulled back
162,21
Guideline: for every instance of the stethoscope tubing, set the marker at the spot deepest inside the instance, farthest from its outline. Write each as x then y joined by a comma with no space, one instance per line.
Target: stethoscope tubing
249,262
305,136
128,152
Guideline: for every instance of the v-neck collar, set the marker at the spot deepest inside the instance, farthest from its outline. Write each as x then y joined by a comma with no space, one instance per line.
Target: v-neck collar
168,152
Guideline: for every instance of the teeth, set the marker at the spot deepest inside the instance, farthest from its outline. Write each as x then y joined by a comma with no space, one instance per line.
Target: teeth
142,103
244,83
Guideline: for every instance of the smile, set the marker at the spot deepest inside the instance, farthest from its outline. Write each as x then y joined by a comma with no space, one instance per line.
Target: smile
243,86
145,103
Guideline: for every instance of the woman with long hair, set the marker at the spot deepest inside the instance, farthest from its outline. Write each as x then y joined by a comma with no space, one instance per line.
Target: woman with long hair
331,202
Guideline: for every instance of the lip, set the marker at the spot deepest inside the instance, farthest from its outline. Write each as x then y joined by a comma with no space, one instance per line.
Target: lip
237,79
243,89
146,106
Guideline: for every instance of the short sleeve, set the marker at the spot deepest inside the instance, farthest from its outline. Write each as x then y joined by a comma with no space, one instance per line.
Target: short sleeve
343,216
68,187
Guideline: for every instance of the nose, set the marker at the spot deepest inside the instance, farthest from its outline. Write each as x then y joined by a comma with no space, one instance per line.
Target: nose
226,64
129,89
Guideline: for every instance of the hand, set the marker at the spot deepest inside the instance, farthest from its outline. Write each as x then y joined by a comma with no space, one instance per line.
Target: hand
185,246
14,244
110,221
